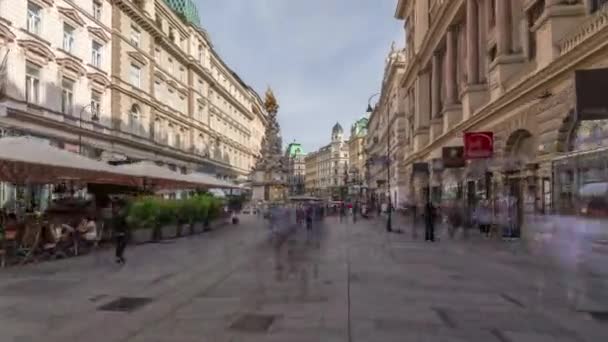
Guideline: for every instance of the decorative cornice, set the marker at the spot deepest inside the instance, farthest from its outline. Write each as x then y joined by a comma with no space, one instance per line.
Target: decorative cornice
71,63
6,34
99,33
71,14
160,75
49,3
139,57
35,49
99,78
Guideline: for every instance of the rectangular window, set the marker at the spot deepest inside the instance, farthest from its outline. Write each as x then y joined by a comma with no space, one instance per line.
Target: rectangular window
67,96
200,113
68,37
135,76
32,83
201,54
135,36
34,18
96,55
95,103
97,9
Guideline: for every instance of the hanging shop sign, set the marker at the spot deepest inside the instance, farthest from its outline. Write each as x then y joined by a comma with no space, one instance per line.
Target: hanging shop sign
453,157
478,145
591,99
421,168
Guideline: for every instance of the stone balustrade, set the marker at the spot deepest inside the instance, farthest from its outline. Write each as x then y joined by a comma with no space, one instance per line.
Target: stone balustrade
593,25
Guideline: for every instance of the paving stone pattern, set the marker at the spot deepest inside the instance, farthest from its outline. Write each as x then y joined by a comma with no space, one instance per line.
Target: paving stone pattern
347,282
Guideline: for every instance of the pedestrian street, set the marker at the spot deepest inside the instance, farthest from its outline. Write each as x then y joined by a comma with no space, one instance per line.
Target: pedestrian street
343,281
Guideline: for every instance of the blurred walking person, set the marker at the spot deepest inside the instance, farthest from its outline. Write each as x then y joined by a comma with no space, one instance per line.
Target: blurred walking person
455,220
483,216
429,221
120,231
309,217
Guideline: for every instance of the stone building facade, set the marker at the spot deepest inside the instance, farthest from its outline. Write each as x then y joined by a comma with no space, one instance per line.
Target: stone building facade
127,80
387,121
296,159
328,170
357,153
501,66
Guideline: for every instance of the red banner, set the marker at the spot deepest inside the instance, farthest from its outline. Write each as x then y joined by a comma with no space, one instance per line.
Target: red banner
478,145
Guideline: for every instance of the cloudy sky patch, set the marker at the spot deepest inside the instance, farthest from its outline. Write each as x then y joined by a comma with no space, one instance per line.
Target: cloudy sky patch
323,58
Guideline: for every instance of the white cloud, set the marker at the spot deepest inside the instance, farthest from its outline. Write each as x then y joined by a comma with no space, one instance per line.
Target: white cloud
323,58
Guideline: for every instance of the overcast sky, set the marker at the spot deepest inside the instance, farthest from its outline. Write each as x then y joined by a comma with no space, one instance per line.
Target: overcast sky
323,58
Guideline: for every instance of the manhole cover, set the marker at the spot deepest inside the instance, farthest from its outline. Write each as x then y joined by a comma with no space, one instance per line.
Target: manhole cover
125,304
253,323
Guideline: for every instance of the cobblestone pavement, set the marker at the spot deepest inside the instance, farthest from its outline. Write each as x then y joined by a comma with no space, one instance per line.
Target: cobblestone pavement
344,282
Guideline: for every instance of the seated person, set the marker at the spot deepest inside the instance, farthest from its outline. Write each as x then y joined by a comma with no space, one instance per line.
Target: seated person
87,229
11,227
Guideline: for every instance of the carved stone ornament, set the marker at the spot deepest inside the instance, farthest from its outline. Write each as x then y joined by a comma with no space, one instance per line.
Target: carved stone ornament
99,34
99,78
6,35
71,64
36,50
138,57
71,14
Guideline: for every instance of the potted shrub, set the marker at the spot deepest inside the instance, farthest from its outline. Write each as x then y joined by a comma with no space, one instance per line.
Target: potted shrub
201,204
186,215
167,220
142,216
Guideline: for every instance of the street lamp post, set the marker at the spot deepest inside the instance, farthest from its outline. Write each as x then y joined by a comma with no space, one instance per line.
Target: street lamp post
94,117
389,223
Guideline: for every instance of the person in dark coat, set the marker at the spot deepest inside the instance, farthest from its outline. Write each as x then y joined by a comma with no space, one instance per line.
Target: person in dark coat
429,220
120,231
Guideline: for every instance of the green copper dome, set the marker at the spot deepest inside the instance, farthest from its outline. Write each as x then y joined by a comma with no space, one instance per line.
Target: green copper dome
295,149
185,9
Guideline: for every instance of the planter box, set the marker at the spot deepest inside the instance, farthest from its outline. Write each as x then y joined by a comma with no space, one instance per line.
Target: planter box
198,228
185,230
140,236
169,232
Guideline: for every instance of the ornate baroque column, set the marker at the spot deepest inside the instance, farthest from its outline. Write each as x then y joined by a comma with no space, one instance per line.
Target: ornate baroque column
503,27
451,77
472,42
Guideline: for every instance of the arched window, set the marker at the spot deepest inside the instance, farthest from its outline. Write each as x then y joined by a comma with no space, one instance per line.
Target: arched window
589,134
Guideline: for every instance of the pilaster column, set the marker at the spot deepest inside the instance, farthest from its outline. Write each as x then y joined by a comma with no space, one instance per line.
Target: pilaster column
503,27
451,77
435,85
472,42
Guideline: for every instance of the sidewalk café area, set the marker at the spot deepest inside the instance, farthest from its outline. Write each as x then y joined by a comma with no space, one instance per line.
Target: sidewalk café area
64,204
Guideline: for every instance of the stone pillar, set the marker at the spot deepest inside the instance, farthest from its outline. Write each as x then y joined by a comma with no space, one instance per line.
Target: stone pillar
482,26
472,42
451,77
503,27
435,85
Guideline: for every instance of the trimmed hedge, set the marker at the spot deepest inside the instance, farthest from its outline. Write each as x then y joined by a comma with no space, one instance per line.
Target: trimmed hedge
153,212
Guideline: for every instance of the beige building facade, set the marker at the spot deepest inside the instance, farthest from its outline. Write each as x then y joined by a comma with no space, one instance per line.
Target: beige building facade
506,67
124,81
387,121
327,168
357,153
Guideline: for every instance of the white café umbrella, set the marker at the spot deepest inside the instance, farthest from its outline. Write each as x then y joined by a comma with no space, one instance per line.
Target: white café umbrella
30,160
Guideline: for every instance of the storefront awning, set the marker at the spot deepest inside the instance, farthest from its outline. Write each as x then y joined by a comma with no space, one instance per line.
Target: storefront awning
29,160
159,177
